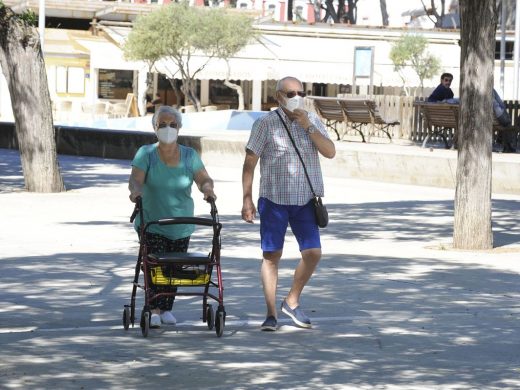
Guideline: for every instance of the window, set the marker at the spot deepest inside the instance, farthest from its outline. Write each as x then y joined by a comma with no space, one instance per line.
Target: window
115,84
70,79
76,80
221,94
509,50
61,79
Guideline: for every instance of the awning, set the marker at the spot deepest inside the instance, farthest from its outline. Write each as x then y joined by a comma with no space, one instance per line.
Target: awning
324,60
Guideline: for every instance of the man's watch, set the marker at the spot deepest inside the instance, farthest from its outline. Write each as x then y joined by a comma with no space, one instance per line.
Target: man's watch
311,129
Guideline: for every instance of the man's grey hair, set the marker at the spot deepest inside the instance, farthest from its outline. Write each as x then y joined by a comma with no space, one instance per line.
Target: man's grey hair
280,83
169,110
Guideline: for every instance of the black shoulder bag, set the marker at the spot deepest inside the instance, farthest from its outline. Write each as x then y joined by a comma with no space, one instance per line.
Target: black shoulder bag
320,211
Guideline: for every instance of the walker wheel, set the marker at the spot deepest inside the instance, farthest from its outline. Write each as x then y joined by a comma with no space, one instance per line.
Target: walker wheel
145,323
219,323
210,317
126,317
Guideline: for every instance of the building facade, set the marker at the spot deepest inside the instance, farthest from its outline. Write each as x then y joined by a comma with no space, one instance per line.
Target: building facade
86,67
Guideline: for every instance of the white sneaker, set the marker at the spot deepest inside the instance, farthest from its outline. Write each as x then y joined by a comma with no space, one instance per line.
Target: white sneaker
155,321
168,318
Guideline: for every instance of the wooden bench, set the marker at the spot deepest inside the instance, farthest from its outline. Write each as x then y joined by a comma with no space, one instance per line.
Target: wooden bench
438,118
363,112
330,111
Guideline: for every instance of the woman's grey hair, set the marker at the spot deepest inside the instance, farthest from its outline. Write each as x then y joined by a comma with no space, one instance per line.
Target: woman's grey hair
169,110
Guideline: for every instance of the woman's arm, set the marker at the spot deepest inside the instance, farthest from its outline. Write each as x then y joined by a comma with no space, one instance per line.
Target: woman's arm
136,183
204,183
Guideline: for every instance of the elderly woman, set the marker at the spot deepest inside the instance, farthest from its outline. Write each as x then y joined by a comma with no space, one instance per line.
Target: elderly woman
162,175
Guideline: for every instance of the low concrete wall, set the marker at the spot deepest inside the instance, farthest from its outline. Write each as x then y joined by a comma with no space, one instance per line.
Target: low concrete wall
80,141
378,162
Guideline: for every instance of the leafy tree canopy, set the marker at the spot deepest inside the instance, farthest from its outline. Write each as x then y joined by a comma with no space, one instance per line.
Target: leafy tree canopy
177,32
411,50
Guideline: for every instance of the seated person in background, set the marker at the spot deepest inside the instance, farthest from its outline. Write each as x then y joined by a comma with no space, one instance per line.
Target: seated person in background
499,109
150,108
157,101
443,91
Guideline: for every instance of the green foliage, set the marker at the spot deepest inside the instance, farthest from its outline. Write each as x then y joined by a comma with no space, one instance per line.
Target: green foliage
177,31
410,50
227,33
29,17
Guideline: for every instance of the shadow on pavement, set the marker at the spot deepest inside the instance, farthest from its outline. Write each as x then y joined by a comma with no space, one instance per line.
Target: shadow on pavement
379,322
78,172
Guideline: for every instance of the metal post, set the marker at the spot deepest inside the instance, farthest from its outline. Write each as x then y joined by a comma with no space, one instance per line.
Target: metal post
516,56
41,22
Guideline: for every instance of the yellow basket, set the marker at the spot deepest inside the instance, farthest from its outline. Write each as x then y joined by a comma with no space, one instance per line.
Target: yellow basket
158,278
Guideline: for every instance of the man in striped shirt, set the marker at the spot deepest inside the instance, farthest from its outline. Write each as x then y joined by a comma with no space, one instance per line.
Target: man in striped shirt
285,194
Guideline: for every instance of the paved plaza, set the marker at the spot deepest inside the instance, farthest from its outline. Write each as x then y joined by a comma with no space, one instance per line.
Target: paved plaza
392,305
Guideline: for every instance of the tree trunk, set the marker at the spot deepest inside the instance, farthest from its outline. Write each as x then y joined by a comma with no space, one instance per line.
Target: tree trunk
352,11
236,87
188,88
384,12
341,11
22,63
330,12
238,90
472,225
176,91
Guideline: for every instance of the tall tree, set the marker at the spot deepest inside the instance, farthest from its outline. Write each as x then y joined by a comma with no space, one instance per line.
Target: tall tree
178,33
23,66
472,220
339,15
433,11
232,33
330,12
351,15
384,12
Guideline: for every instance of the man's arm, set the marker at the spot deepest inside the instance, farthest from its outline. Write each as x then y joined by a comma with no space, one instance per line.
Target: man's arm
248,173
324,145
435,95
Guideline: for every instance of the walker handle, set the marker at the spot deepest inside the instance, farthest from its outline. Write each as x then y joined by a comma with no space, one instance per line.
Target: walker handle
137,208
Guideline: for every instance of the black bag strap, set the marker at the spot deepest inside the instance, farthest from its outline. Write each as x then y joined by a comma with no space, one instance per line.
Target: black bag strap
297,152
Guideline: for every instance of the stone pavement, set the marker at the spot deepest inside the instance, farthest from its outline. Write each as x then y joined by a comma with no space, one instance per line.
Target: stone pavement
393,307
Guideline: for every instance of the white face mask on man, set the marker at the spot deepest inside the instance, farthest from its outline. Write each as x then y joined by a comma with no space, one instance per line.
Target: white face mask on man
167,134
294,103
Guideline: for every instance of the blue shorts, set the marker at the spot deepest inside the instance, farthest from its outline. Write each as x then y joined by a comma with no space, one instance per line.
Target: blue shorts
274,219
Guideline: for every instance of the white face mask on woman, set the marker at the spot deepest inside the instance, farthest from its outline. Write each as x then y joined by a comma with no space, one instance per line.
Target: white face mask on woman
294,103
167,134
